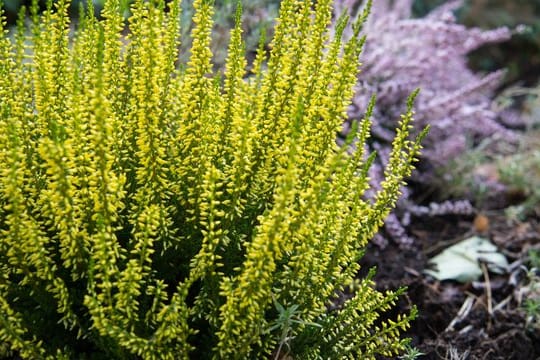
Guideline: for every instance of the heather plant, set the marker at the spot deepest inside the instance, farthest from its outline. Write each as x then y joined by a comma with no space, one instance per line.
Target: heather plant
158,211
403,53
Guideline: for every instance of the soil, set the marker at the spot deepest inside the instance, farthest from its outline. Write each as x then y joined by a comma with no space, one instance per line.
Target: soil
484,319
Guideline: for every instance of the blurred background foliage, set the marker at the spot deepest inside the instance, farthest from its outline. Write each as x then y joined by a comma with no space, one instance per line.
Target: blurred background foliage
258,17
515,167
521,55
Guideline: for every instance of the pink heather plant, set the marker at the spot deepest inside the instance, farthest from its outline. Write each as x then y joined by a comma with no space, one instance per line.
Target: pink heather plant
402,54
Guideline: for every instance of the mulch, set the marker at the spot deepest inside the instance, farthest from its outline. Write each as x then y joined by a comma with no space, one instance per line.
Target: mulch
484,319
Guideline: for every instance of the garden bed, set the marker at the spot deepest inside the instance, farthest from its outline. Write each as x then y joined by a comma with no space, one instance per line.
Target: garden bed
454,319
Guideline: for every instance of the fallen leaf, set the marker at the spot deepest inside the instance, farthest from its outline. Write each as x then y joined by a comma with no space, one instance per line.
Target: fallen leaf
461,262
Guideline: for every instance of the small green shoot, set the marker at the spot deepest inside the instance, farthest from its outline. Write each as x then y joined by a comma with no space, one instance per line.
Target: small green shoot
286,318
411,353
531,305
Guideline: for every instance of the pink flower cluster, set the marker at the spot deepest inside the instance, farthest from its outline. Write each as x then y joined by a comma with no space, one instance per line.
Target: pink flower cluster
401,54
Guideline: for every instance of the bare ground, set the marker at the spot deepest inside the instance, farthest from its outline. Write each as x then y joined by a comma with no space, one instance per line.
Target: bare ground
485,319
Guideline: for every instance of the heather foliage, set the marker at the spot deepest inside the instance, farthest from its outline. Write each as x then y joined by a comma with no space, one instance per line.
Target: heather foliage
403,53
157,211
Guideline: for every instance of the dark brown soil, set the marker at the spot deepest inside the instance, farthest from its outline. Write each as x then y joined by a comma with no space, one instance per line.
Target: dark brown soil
480,320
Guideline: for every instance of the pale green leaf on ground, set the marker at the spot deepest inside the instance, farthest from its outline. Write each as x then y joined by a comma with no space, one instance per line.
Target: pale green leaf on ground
461,262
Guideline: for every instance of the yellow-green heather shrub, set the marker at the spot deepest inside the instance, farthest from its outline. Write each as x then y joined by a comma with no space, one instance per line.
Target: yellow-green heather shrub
156,211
